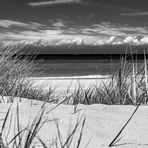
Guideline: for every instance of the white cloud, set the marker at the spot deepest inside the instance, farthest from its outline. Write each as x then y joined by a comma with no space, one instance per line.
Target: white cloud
52,2
58,24
99,42
110,29
33,35
131,40
9,43
118,43
50,32
64,41
133,30
10,23
111,40
50,36
144,40
96,34
75,41
104,30
69,40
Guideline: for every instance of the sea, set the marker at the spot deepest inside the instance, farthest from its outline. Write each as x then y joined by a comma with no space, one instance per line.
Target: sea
70,68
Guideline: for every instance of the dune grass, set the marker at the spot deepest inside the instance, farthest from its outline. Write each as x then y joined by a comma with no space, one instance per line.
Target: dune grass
28,136
127,86
14,71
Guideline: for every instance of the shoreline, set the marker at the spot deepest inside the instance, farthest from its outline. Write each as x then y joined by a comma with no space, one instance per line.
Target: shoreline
63,84
88,77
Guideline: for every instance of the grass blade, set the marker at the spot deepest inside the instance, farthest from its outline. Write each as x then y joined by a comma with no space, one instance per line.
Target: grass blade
114,140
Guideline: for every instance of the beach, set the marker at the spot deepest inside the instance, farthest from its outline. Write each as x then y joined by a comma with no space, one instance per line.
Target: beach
62,84
102,123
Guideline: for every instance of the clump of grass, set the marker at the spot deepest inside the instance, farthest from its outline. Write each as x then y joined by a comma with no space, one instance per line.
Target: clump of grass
31,91
23,138
127,86
26,137
15,67
136,99
72,140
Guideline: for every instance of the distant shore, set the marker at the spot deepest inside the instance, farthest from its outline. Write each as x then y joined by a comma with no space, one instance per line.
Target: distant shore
86,57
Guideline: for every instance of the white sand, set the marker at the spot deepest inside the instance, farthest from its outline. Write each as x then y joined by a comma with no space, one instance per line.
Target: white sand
62,84
102,123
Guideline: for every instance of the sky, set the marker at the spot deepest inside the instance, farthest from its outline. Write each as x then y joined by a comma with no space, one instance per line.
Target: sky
60,22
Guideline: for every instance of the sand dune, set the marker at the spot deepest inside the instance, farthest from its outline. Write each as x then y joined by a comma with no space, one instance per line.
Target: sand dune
102,123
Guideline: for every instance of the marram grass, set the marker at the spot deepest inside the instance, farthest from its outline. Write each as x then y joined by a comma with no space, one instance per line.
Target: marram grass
128,85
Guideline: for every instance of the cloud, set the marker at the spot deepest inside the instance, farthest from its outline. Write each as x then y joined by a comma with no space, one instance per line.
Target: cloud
8,43
111,40
111,29
48,35
52,2
134,30
144,40
64,41
60,29
47,38
102,29
60,32
118,43
99,43
135,14
11,23
58,24
131,40
75,41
